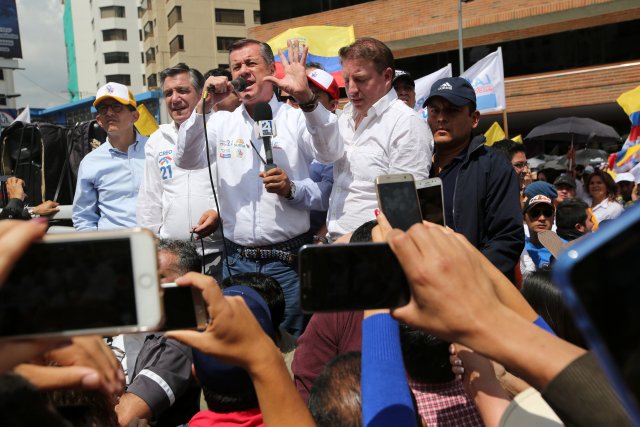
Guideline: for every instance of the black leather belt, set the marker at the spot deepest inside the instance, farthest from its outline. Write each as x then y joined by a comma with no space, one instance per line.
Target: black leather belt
285,251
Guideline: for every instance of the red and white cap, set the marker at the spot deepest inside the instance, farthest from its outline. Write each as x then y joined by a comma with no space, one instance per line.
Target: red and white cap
325,81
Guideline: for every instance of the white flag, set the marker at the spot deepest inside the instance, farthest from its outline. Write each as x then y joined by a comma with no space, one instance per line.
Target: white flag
487,78
25,116
423,85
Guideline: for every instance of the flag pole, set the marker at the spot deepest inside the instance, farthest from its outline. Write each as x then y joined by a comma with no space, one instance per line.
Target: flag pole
506,125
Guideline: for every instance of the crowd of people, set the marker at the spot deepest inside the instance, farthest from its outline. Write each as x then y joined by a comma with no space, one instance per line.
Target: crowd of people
484,340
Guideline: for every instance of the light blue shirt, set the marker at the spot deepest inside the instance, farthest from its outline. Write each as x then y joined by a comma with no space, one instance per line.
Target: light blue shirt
107,187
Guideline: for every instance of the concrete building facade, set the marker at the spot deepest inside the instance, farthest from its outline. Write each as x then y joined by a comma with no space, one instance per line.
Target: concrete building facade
196,32
102,39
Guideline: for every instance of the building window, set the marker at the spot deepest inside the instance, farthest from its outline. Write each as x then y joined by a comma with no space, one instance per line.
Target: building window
140,35
144,80
150,55
116,58
124,79
230,16
1,74
176,45
114,34
3,100
225,42
142,57
256,17
140,12
148,4
148,29
112,12
152,81
174,16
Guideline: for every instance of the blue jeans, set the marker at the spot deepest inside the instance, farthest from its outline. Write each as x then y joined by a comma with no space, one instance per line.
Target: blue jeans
286,276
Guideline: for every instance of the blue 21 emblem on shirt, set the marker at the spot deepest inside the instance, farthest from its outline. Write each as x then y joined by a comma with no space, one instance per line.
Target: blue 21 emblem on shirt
165,166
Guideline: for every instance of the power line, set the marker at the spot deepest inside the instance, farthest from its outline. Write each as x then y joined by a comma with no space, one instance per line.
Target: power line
22,74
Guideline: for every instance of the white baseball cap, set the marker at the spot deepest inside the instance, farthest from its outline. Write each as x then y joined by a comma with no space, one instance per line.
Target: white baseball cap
117,91
625,176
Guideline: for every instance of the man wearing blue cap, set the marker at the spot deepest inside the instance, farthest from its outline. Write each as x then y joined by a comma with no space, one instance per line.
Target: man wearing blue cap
480,188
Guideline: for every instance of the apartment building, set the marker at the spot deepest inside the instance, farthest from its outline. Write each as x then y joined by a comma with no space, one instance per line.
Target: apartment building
102,40
196,32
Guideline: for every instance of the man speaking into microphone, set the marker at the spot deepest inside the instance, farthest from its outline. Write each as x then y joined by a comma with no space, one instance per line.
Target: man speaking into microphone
262,225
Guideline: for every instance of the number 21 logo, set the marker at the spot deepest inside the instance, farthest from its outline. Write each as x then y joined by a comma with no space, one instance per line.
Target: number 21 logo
165,167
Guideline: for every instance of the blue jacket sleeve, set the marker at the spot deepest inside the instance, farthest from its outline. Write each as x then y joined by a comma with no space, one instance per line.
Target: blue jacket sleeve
386,399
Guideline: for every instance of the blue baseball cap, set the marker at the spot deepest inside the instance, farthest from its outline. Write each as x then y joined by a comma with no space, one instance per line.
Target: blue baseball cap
540,187
456,90
222,377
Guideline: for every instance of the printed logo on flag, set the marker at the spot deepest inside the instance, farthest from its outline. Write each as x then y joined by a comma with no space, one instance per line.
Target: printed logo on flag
485,92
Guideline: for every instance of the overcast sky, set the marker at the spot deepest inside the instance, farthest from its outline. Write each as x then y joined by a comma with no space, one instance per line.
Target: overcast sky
43,82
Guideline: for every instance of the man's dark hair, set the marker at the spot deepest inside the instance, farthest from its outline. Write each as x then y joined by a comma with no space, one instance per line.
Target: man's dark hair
197,80
369,49
21,404
515,149
265,49
230,401
362,234
314,65
335,398
570,212
218,72
268,288
188,259
503,147
426,358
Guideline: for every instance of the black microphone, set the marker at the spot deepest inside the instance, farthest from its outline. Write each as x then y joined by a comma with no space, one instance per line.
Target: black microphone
239,84
266,129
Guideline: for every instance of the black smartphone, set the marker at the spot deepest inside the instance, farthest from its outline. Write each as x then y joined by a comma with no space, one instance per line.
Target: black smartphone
71,284
184,307
598,280
398,200
431,200
355,276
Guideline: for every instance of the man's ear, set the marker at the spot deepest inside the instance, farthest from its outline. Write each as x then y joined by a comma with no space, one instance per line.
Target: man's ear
136,115
334,105
581,228
475,117
388,76
99,120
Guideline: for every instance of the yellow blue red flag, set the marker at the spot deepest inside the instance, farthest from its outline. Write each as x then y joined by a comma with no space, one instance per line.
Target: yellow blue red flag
323,43
629,156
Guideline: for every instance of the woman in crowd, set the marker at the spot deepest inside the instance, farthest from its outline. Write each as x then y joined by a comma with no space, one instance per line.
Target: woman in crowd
602,190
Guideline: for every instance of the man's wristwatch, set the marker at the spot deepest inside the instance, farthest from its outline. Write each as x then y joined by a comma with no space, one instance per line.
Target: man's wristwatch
292,191
310,105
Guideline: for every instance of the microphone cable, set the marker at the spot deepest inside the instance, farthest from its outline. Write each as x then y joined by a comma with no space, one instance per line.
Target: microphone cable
213,188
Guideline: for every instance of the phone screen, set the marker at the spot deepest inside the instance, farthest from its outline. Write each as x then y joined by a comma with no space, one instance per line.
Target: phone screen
351,277
607,287
431,204
399,203
183,308
69,286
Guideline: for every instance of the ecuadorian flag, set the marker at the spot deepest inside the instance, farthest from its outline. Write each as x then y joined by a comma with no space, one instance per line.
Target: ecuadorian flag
323,42
629,156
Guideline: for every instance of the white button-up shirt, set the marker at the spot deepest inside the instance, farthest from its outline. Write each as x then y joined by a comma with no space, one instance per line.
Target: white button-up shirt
251,216
391,139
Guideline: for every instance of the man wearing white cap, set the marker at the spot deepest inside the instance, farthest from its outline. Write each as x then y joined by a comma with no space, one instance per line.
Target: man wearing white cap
625,183
109,176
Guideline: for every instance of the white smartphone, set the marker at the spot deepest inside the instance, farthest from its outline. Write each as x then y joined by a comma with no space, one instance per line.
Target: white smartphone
68,284
398,200
431,200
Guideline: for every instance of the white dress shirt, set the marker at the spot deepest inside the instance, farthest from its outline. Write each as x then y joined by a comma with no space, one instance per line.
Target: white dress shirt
171,199
391,139
251,216
607,209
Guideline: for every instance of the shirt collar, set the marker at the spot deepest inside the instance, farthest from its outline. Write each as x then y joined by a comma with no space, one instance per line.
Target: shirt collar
273,103
379,107
136,146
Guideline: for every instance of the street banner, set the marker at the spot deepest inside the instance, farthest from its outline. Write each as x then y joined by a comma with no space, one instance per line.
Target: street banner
10,46
487,78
